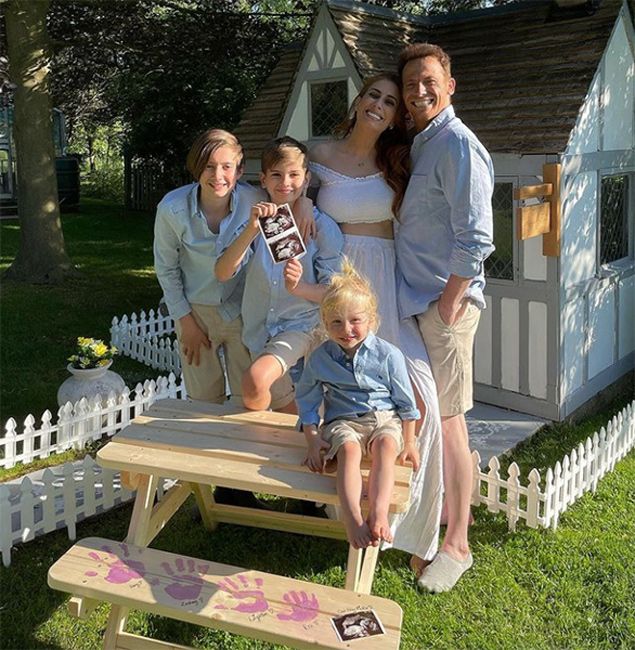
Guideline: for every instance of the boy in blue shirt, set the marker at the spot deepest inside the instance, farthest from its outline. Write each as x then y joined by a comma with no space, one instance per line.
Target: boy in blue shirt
280,307
369,404
193,223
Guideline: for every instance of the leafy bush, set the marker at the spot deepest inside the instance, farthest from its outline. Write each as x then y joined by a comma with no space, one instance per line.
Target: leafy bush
104,183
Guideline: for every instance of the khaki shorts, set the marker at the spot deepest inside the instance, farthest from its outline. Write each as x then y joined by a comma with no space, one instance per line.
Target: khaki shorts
288,348
207,380
450,352
363,430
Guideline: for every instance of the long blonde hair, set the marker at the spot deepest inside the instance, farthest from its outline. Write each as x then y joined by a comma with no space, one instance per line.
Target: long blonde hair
349,288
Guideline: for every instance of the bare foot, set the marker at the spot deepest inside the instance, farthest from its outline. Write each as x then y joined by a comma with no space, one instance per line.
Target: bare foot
358,534
379,527
418,564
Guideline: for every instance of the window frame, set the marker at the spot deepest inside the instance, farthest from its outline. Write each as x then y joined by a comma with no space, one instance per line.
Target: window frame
516,251
320,81
624,263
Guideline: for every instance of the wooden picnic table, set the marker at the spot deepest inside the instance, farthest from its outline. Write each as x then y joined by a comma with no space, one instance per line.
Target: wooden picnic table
203,445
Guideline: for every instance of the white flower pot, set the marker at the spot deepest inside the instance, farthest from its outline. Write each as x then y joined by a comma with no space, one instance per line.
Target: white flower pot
89,382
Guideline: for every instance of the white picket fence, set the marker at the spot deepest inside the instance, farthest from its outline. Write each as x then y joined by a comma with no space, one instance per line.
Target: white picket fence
65,495
577,473
145,338
80,423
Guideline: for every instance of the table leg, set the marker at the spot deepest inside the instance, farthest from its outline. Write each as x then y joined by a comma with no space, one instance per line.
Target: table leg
353,568
205,502
138,533
367,573
360,569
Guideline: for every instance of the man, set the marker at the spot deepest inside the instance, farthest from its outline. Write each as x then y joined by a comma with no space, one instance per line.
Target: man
445,235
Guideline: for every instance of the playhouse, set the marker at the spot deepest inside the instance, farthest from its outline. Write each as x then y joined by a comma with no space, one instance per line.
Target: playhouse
549,88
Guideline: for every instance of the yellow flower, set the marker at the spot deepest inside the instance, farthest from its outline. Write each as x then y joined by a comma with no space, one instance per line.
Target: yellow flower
100,349
82,340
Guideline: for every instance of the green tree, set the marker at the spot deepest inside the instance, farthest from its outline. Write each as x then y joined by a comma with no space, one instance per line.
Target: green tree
41,256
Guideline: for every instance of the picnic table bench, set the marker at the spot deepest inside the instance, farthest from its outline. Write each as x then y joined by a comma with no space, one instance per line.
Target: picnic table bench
252,603
203,445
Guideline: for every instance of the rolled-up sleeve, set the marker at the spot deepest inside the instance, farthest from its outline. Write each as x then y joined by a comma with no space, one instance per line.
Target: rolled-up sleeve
400,387
166,263
309,395
468,184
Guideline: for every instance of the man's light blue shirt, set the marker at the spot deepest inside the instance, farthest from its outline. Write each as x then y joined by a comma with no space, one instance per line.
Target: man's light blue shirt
445,221
374,379
268,308
185,250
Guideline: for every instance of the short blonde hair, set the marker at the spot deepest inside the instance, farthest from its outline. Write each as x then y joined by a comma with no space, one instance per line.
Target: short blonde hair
349,288
283,149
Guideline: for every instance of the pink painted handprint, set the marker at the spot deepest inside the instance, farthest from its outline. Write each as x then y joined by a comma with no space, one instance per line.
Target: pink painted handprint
304,608
120,570
245,592
187,583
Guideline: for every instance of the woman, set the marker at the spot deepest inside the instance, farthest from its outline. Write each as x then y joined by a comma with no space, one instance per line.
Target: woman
362,178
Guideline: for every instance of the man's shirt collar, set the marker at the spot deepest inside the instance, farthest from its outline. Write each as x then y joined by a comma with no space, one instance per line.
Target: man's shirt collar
434,127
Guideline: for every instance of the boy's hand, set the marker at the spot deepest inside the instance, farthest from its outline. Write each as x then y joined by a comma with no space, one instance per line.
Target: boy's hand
192,337
261,209
315,456
409,453
304,219
292,275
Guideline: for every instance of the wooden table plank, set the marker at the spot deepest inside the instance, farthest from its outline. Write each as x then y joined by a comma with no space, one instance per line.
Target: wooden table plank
224,442
294,482
193,409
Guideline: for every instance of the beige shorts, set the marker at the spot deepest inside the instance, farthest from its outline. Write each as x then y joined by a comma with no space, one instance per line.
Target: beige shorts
450,352
363,430
207,380
288,348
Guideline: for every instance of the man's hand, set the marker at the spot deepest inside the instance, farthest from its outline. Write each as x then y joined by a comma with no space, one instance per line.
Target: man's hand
192,337
452,303
304,219
409,453
451,312
292,275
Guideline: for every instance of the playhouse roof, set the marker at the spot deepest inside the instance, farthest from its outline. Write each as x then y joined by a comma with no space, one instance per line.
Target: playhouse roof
523,70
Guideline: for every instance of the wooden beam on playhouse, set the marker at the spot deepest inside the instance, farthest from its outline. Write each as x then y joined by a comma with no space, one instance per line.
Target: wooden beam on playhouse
541,218
551,240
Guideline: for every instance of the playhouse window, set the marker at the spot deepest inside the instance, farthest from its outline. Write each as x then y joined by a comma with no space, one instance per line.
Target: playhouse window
614,218
329,103
500,264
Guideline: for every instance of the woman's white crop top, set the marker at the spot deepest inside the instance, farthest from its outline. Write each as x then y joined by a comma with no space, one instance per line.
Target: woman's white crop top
352,199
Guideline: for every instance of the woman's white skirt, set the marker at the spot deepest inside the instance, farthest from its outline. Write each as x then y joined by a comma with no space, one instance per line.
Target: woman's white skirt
417,530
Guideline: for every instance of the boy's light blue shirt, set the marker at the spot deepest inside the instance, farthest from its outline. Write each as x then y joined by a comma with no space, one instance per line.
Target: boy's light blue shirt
374,379
267,307
185,250
445,221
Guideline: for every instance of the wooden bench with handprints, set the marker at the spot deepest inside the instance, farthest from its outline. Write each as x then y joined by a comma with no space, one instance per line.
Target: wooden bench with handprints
251,603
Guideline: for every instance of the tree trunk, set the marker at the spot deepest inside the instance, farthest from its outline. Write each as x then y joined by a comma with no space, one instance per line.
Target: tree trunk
41,254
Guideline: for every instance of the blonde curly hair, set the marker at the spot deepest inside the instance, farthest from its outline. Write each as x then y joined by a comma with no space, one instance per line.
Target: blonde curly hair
349,288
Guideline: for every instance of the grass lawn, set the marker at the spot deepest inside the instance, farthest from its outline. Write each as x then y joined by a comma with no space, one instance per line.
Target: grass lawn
573,588
39,325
